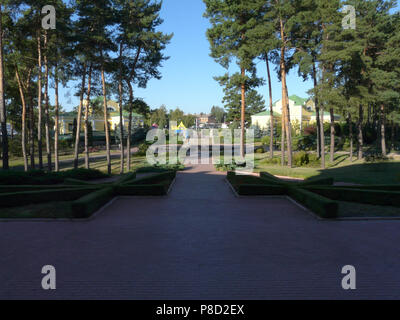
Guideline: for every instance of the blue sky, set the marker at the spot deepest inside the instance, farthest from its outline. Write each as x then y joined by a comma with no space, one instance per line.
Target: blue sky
187,80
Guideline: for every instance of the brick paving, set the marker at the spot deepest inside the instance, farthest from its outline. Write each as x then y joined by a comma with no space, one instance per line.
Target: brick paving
201,242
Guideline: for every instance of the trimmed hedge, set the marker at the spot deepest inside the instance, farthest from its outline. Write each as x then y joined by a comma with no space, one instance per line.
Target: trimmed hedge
87,205
38,177
156,178
22,188
269,177
322,206
70,181
34,197
374,197
260,190
318,182
127,178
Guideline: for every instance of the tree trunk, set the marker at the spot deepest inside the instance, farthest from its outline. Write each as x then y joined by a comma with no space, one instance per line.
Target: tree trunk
351,136
317,114
31,135
3,111
87,156
383,131
271,113
128,141
23,130
322,138
332,153
393,137
40,151
360,133
285,102
243,115
103,80
283,125
57,124
78,120
46,109
121,122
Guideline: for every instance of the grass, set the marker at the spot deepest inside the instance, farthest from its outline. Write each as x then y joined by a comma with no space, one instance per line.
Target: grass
342,170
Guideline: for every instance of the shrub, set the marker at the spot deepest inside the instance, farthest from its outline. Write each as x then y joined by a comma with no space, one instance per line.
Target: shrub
259,150
33,197
301,159
87,205
39,177
322,206
15,146
142,150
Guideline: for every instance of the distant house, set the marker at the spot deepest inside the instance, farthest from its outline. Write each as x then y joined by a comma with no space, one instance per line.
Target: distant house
263,119
66,123
206,119
302,112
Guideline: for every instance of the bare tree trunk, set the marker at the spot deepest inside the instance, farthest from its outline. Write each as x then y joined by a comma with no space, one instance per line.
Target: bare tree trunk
285,102
87,156
78,120
243,115
103,80
3,111
128,141
57,124
271,113
332,153
351,136
283,160
40,151
23,130
360,133
322,138
46,109
383,131
393,137
121,120
31,136
317,114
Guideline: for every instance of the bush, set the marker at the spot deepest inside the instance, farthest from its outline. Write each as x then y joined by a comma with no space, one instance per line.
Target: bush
39,177
33,197
15,147
259,150
87,205
373,197
301,159
322,206
142,150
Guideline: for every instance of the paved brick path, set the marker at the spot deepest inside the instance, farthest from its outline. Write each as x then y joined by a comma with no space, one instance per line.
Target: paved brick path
200,243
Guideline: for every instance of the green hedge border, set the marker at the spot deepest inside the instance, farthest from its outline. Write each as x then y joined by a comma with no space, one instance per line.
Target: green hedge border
373,197
16,199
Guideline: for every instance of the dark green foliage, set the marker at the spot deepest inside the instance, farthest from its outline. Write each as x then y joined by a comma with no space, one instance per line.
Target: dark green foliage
324,207
34,197
374,197
317,182
127,178
86,206
38,177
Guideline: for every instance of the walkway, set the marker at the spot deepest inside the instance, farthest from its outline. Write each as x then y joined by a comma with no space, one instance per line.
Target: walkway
200,243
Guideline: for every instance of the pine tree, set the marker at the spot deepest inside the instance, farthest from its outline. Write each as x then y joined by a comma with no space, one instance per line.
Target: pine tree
231,20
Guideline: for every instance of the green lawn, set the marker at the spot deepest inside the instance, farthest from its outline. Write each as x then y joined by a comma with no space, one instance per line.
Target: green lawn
342,170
